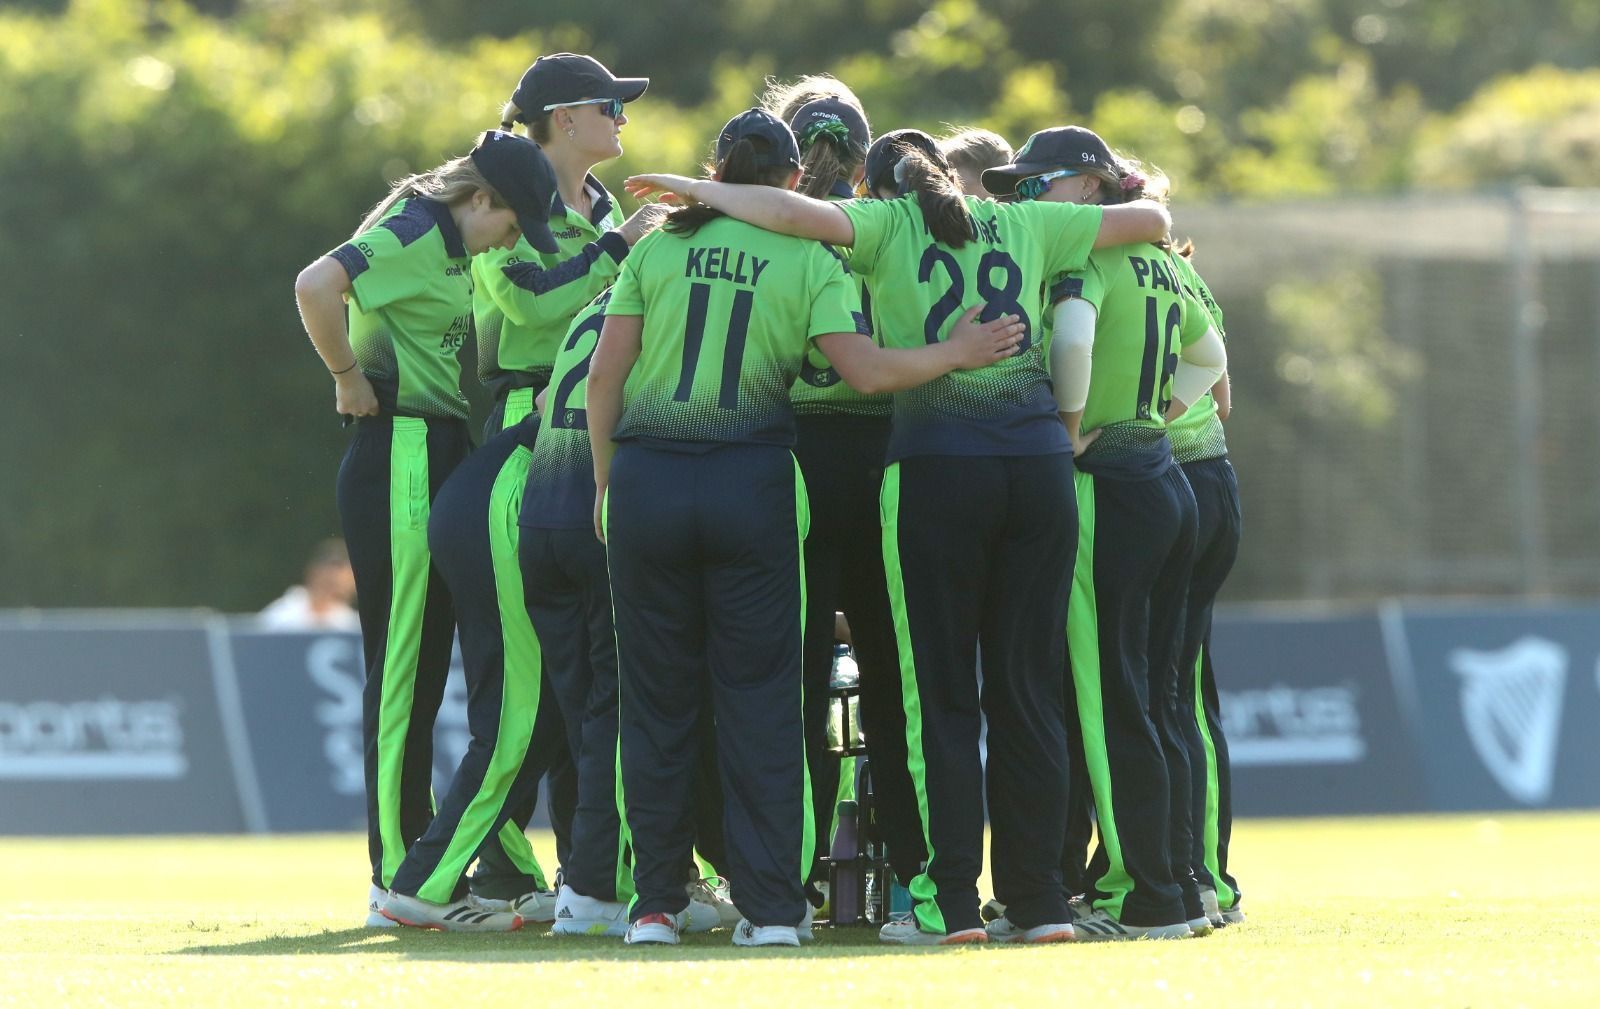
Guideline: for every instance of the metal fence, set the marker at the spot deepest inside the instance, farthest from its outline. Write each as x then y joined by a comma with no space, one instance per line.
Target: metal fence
1415,387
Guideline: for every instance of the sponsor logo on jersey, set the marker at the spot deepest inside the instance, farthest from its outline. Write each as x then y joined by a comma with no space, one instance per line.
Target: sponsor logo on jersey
456,335
1511,702
1281,724
567,233
92,740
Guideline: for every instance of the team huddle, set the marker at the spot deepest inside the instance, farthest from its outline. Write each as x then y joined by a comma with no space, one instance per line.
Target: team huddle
922,397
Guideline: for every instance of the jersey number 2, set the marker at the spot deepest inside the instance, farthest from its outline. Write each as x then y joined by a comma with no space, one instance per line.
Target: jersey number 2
694,334
575,417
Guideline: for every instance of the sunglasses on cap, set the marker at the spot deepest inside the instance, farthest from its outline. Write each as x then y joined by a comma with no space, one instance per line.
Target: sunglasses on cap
1038,185
611,108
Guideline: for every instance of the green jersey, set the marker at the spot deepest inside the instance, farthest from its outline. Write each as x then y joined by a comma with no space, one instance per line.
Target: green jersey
729,314
560,492
410,308
1144,319
1198,433
819,389
921,287
526,299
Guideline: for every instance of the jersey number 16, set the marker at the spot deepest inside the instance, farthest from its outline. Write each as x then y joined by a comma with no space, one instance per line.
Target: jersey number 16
1159,360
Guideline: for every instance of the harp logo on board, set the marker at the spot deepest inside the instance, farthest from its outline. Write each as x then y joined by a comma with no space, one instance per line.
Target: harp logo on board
1511,703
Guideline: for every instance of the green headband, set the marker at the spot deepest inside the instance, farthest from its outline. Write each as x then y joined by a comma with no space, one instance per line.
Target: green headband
825,127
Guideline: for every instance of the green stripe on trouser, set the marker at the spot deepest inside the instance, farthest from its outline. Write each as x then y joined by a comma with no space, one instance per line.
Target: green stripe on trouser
1212,827
627,892
624,879
802,524
409,563
519,697
514,844
1083,647
923,888
519,403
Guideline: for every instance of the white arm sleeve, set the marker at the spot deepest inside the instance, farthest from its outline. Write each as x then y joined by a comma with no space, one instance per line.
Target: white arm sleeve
1199,367
1071,353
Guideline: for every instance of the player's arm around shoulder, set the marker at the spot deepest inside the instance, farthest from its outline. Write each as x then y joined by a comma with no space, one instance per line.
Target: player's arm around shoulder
1139,221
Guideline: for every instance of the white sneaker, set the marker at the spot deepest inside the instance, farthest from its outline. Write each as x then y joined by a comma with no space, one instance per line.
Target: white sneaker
1002,930
746,934
576,914
905,932
992,910
1233,915
711,893
375,918
457,916
1200,926
537,906
1208,901
658,929
1099,926
804,929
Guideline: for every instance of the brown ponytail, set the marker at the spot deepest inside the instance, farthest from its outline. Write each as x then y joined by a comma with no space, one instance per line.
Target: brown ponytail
944,213
826,161
538,122
738,167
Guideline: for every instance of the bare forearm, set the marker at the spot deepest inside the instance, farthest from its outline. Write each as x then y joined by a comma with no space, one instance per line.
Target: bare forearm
604,409
1139,221
874,369
1073,419
776,210
322,312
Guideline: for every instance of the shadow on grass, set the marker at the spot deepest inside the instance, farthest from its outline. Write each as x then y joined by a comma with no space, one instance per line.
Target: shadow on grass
537,945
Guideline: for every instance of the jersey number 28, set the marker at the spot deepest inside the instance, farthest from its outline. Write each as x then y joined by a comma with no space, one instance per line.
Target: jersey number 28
998,301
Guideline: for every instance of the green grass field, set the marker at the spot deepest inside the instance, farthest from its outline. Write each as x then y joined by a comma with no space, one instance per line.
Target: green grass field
1446,911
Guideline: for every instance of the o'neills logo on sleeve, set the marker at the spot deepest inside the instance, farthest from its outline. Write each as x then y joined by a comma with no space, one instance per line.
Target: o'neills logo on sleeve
1292,725
106,739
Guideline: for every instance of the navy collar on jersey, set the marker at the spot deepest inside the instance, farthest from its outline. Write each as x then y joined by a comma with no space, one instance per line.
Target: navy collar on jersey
842,190
597,213
454,247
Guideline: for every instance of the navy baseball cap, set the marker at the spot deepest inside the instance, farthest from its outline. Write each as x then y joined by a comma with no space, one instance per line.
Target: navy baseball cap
778,148
830,117
887,151
524,178
568,77
1050,150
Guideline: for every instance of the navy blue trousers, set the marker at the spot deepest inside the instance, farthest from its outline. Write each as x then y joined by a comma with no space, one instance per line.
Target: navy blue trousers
980,550
568,594
391,472
706,581
842,460
516,731
1216,492
1135,551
